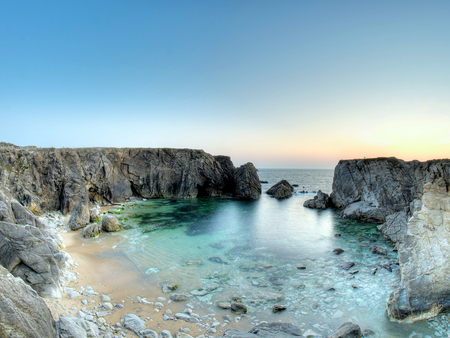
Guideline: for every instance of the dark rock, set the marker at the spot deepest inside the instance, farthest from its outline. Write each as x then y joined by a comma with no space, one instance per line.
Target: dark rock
247,182
264,329
263,182
22,312
277,308
387,267
281,190
368,333
347,330
238,307
338,251
295,185
110,223
377,250
25,252
373,271
218,260
347,265
301,267
80,216
320,201
94,215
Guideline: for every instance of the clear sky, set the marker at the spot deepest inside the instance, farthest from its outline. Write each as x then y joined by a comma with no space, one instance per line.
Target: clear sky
293,84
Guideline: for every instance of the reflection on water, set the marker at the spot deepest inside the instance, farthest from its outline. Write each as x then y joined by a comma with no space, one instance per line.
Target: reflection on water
267,252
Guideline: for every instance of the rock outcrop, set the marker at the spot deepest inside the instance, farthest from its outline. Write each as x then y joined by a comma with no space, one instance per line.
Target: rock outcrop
281,190
22,312
59,179
411,200
320,201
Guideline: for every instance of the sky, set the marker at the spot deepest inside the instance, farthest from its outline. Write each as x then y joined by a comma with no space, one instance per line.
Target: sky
282,84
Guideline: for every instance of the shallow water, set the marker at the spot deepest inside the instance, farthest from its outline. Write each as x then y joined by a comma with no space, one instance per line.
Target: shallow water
261,245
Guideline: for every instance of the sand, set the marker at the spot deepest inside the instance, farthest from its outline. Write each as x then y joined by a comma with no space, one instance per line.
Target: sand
112,273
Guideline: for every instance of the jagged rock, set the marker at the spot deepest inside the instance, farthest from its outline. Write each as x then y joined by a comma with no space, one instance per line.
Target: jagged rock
424,257
58,179
264,329
247,182
320,201
92,230
24,251
347,330
72,327
110,223
22,312
80,216
281,190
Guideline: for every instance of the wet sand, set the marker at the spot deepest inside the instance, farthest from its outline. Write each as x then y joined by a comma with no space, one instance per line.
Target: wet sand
111,273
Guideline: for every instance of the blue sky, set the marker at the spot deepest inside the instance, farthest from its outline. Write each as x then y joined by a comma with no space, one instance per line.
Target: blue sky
297,84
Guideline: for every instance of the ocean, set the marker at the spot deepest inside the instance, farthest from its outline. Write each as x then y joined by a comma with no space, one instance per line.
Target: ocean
268,252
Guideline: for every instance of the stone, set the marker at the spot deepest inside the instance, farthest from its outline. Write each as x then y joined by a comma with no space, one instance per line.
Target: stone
238,307
22,312
347,265
338,251
26,253
179,297
72,327
347,330
110,223
80,216
94,215
169,287
134,323
320,201
264,329
105,298
182,316
377,250
218,260
92,230
368,333
165,334
281,190
224,305
182,335
277,308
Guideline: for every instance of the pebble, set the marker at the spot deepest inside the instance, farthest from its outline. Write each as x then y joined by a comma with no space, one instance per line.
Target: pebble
81,314
105,298
84,301
182,316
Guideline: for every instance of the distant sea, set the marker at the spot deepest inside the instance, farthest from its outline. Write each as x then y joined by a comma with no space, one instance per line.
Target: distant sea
268,252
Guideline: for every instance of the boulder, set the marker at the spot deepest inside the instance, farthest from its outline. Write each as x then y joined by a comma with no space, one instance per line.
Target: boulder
25,252
247,182
92,230
347,330
110,223
72,327
238,307
22,312
281,190
320,201
80,216
94,214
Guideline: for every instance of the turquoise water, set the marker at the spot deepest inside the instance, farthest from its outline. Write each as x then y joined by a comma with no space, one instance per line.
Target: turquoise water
260,244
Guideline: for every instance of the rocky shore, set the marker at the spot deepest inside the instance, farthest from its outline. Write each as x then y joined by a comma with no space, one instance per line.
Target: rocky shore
411,201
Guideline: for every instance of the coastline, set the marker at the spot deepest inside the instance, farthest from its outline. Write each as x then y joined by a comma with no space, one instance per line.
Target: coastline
97,266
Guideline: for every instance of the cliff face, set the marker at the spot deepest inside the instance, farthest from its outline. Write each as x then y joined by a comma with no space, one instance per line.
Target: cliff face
413,201
57,179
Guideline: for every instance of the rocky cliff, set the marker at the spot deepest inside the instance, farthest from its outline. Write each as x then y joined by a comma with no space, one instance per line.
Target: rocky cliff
58,179
411,200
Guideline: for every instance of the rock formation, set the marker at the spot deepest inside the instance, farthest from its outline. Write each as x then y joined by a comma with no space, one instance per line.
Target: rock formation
320,201
281,190
58,179
22,312
411,199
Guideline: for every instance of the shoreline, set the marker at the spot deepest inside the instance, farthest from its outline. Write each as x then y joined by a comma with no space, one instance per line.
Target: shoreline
109,273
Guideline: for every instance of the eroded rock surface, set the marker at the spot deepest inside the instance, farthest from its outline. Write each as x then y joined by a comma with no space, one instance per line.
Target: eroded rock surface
59,179
281,190
22,312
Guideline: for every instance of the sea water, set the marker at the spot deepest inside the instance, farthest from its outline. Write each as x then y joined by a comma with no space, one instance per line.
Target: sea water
269,252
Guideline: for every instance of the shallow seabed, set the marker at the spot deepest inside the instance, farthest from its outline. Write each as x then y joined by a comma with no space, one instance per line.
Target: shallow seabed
267,252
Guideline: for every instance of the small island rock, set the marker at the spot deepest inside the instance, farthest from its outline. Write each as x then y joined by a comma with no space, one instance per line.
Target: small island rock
281,190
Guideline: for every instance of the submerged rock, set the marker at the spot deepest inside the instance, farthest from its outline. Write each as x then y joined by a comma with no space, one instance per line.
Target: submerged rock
281,190
264,329
238,307
347,265
378,250
320,201
347,330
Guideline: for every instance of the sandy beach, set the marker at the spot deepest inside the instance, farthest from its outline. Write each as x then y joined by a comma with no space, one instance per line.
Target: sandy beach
115,276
